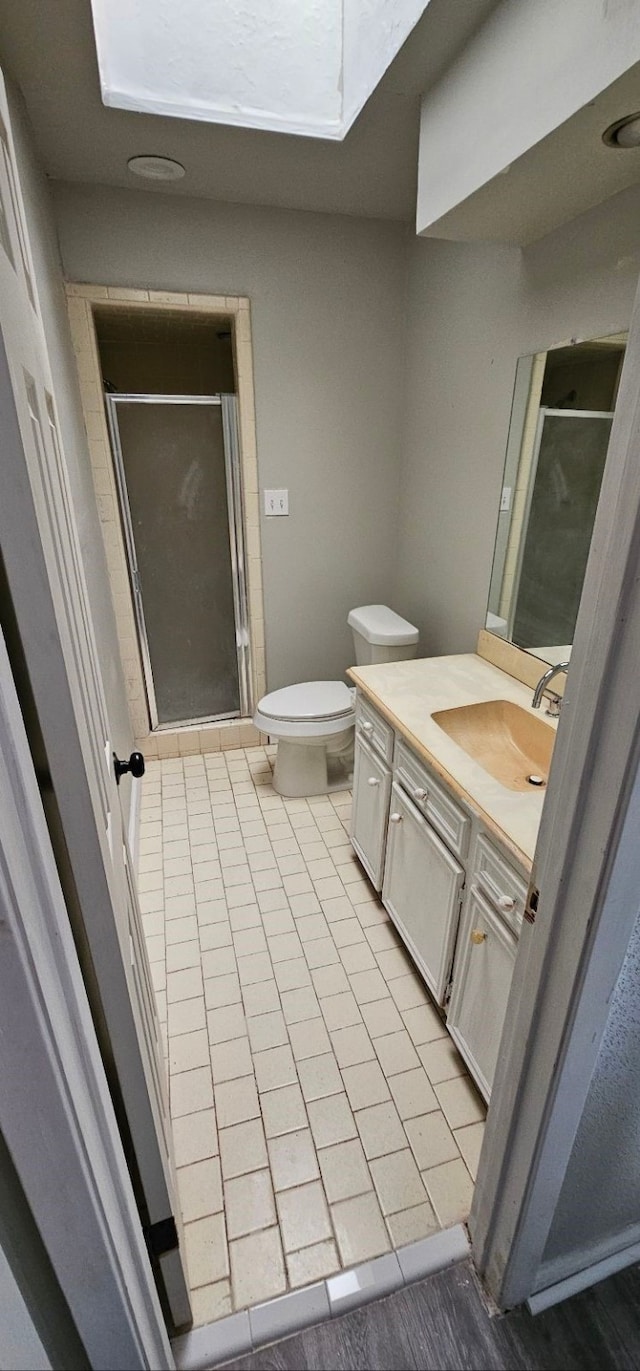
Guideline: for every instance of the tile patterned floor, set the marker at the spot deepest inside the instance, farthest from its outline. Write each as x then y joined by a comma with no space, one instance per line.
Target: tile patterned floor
321,1113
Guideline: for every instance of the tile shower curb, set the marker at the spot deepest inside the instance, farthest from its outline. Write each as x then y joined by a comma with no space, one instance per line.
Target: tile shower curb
244,1332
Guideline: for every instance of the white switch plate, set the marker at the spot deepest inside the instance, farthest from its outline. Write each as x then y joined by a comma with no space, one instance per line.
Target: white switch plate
505,502
276,502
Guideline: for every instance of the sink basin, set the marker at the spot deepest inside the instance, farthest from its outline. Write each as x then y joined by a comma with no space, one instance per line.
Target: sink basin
511,744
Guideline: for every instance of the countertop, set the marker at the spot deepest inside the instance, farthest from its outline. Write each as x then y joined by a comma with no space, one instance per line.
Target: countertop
408,693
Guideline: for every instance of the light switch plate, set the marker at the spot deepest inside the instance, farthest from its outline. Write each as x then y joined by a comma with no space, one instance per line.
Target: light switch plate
276,502
505,502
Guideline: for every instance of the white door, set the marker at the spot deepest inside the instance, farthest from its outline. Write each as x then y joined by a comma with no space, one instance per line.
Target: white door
422,889
47,587
371,792
481,976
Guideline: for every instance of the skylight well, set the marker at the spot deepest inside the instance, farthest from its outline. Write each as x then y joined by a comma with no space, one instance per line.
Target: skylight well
290,66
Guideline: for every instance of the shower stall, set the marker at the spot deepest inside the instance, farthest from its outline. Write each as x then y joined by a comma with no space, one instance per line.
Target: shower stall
177,462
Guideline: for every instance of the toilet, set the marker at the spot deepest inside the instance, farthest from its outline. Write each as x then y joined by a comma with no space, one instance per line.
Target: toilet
313,723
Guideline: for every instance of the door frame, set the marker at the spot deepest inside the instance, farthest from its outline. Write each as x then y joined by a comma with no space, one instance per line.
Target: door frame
235,518
587,870
82,303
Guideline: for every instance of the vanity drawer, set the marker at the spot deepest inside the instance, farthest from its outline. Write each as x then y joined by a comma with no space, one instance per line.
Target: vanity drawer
375,729
505,888
431,799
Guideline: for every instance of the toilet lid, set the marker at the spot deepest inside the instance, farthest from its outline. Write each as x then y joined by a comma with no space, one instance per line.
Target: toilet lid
311,700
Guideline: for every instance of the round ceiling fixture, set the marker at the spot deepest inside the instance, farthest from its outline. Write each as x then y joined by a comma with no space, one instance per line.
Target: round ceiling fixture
625,133
156,168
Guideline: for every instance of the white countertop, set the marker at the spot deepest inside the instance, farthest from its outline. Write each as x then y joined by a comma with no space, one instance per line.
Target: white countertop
408,693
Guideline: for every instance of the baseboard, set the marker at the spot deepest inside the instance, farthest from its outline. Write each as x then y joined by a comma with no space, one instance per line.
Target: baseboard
595,1268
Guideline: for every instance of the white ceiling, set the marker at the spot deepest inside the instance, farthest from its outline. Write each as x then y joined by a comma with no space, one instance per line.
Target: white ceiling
48,47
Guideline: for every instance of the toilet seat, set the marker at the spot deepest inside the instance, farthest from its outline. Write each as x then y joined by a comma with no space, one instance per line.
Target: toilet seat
310,700
313,709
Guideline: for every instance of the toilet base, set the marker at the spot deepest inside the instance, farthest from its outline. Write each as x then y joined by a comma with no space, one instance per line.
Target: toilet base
313,766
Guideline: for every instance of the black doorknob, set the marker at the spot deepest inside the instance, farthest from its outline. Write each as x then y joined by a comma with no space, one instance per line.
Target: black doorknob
135,765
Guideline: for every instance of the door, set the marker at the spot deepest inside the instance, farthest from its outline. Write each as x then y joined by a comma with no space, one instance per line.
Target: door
421,890
178,475
70,731
481,975
67,1199
371,792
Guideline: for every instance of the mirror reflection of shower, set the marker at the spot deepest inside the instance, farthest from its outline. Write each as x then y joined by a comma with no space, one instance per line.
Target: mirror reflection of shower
559,432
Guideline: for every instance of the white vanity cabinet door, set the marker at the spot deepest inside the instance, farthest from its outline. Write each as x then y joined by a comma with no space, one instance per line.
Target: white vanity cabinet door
371,792
421,891
481,984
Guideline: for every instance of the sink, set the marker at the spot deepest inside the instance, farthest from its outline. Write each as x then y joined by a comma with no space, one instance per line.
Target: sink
509,742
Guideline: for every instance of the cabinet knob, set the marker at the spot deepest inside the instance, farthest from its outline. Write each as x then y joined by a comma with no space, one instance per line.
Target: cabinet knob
395,818
367,728
419,794
373,780
478,935
506,903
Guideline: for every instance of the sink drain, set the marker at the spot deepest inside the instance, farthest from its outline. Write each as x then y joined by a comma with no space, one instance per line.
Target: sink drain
536,780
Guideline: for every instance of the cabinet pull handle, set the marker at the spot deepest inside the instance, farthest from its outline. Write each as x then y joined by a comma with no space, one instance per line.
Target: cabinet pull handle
367,728
419,794
504,902
395,818
478,936
373,780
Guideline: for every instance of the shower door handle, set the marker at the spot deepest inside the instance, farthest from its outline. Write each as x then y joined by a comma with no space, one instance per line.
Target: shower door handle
135,765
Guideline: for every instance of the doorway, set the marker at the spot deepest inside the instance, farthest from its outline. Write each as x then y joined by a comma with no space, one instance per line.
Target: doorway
179,482
158,349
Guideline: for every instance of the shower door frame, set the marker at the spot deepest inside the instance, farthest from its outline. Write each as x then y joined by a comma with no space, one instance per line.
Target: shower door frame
237,545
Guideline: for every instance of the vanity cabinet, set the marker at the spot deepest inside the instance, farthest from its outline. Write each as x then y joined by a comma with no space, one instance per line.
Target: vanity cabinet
370,808
455,899
481,984
422,891
485,957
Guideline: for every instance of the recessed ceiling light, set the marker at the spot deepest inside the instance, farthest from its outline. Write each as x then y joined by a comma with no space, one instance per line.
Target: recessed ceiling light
625,133
156,168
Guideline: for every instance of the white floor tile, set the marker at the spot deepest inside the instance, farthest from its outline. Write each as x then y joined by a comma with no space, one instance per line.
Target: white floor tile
321,1113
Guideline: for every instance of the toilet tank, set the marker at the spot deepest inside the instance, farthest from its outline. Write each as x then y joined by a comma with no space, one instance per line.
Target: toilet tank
380,635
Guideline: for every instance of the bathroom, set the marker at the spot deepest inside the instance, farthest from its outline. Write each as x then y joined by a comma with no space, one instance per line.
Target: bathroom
376,375
241,775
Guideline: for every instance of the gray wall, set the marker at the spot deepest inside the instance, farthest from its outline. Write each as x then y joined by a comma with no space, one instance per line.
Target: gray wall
460,373
386,414
471,311
327,301
49,281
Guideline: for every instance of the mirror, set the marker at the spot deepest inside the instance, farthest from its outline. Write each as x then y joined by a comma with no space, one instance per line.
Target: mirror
561,415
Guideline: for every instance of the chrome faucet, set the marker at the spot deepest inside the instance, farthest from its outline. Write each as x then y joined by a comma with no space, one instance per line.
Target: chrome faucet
554,701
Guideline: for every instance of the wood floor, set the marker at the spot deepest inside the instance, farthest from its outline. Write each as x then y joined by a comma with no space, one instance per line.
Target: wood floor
442,1324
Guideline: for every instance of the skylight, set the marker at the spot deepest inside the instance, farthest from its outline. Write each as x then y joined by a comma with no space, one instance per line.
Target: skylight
290,66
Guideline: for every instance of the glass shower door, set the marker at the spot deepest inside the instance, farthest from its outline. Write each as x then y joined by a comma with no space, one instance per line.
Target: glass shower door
180,491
